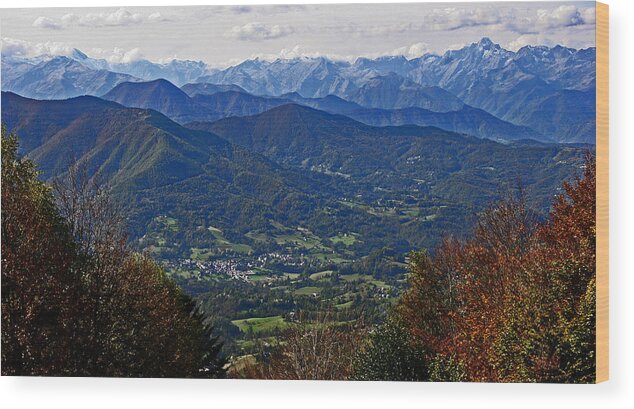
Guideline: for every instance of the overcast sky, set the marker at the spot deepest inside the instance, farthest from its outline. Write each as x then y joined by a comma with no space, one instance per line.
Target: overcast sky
222,36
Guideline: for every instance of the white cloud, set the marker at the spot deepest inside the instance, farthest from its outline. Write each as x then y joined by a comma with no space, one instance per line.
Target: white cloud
494,18
562,16
157,17
118,18
270,9
121,17
412,51
589,15
241,9
552,19
295,52
118,55
258,31
439,19
69,20
25,49
529,39
13,48
565,39
514,19
45,22
377,30
452,18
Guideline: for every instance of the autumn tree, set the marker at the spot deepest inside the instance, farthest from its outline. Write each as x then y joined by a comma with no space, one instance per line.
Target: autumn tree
514,303
41,269
75,300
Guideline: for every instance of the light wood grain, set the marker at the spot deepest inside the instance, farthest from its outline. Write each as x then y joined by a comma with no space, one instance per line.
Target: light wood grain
602,44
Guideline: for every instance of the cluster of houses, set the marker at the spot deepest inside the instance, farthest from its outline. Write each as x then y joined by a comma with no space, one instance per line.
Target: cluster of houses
237,269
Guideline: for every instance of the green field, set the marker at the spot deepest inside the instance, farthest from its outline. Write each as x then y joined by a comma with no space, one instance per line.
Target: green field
235,247
225,244
321,274
365,278
257,236
344,305
258,325
219,243
299,237
307,290
249,344
329,258
353,277
378,283
201,254
169,222
259,277
346,239
308,242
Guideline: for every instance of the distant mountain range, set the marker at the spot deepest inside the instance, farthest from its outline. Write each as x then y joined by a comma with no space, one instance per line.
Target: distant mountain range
466,120
548,93
292,164
58,78
211,102
520,87
163,96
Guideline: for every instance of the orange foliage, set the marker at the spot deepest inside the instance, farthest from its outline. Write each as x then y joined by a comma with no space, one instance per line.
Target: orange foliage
513,302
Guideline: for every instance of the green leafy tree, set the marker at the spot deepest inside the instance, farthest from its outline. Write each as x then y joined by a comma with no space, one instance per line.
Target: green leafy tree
388,355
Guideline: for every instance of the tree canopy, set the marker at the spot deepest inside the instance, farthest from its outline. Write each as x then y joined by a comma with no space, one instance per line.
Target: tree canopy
516,302
75,300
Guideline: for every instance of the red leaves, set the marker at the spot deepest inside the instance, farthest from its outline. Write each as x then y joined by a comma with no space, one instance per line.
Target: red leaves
500,302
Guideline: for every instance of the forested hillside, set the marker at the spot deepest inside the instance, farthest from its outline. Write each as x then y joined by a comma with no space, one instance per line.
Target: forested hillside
75,300
292,210
516,302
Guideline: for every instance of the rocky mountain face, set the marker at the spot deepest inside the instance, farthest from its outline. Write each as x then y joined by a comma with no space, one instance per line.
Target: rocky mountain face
519,87
455,70
179,72
58,78
549,90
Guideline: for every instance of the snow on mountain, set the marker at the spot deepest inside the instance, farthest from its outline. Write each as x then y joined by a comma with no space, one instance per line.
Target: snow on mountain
514,86
58,78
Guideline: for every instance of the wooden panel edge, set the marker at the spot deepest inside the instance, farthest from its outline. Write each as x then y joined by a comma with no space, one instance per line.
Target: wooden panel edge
602,216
